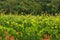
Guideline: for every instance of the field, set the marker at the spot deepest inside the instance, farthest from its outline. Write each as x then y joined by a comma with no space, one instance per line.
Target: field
29,27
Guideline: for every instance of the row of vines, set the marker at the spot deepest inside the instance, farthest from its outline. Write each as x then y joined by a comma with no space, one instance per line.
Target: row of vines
29,27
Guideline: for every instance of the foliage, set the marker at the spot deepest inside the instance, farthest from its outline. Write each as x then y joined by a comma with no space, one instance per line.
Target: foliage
29,6
29,27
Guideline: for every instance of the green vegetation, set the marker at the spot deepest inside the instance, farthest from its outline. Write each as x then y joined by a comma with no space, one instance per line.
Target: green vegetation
29,6
29,27
30,19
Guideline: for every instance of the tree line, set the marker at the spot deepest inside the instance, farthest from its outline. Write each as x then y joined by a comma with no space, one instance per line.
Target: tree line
29,6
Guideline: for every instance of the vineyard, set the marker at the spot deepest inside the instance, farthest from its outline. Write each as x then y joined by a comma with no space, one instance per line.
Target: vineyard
29,27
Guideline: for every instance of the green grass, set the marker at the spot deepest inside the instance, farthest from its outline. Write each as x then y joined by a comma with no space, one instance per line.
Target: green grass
29,27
